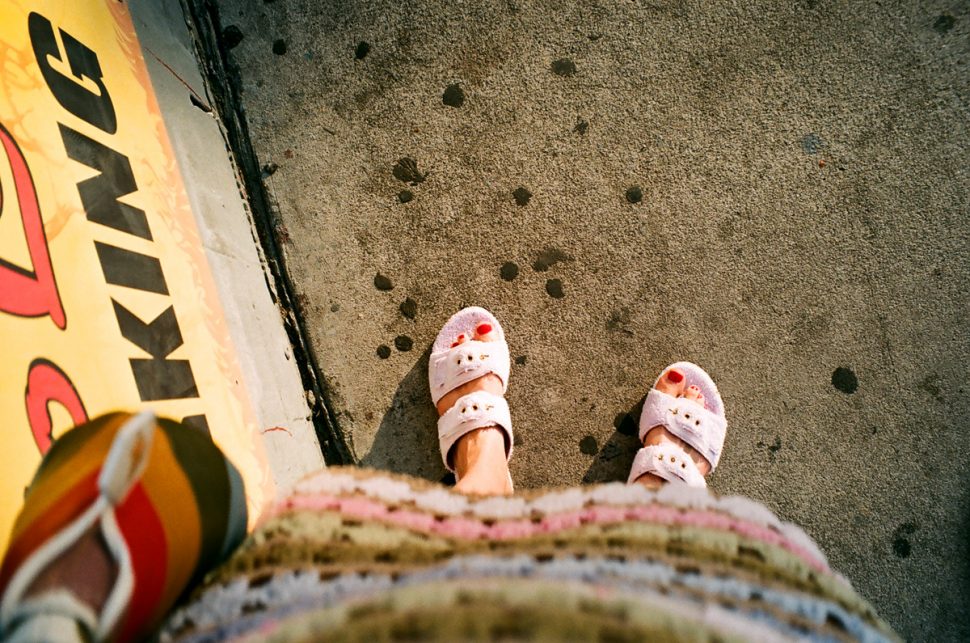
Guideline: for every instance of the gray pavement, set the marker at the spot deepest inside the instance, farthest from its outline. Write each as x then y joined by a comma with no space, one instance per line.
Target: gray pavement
774,190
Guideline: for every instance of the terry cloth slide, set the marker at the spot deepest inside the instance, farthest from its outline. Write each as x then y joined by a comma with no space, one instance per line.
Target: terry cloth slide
701,426
450,367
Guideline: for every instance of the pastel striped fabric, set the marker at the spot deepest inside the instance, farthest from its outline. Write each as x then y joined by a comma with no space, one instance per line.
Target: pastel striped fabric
352,554
185,514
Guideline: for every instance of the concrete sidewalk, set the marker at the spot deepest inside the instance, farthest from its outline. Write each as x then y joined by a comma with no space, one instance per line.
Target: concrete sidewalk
776,191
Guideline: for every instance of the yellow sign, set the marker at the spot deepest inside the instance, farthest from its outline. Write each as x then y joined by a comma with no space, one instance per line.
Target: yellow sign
106,298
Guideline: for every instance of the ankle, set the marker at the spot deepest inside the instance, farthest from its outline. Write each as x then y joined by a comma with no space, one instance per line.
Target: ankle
480,449
481,464
650,481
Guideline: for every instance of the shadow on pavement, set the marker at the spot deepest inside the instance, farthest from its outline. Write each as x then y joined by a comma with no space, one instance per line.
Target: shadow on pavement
407,438
613,461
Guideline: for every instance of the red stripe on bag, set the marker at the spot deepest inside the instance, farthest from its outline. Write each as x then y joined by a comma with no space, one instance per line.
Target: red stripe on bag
143,532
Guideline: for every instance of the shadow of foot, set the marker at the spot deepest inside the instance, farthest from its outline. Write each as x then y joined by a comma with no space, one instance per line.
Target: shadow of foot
613,461
407,439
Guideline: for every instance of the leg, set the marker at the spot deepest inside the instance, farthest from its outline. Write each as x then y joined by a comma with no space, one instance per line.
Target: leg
479,457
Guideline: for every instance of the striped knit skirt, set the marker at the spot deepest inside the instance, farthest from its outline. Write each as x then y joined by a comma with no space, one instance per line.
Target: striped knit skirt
357,555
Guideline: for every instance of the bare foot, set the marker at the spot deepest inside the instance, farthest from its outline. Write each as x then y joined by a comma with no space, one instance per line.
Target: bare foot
672,383
479,456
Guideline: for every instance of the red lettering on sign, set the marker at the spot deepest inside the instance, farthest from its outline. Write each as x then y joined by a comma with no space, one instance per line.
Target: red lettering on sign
47,383
28,293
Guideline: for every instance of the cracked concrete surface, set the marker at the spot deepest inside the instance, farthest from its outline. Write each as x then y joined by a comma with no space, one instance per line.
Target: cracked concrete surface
776,191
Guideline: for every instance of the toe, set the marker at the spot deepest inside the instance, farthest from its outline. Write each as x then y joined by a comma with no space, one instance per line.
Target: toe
694,394
485,333
691,393
461,339
671,383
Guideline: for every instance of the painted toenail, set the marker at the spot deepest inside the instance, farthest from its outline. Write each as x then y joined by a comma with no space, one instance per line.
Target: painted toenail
484,329
675,377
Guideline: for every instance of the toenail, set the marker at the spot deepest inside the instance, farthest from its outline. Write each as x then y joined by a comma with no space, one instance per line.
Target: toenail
484,329
675,377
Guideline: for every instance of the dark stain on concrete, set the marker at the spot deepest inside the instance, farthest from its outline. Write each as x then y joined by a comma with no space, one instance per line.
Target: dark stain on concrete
509,270
634,194
812,143
618,321
521,360
772,448
581,127
403,343
549,258
625,424
279,46
382,282
231,36
405,196
563,67
521,196
362,49
901,544
453,96
931,384
383,351
845,380
406,169
554,288
588,445
409,308
944,23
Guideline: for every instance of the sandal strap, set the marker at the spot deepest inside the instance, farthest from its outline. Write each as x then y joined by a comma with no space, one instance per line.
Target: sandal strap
688,420
474,411
669,462
450,369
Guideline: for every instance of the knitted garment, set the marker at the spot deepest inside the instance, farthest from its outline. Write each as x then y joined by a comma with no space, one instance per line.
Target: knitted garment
352,554
183,516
